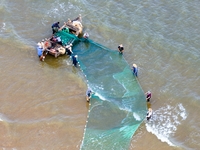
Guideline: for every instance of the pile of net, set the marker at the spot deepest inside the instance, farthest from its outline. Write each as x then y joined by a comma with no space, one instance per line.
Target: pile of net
118,106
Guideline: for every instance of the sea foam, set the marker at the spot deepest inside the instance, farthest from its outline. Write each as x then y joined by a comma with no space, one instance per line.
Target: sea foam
165,120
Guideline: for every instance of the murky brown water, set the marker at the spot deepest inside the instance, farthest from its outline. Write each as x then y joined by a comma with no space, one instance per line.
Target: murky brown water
43,104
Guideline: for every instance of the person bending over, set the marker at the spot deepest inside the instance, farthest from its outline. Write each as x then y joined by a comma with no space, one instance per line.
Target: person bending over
69,49
55,27
88,94
121,49
149,114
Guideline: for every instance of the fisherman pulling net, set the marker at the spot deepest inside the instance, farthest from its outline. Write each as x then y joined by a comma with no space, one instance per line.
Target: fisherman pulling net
118,105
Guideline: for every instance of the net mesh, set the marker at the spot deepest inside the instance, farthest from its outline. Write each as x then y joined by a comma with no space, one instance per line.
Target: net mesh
67,38
118,106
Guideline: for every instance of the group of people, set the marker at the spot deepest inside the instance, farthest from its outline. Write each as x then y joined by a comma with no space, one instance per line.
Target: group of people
56,27
74,26
134,67
148,97
135,72
53,46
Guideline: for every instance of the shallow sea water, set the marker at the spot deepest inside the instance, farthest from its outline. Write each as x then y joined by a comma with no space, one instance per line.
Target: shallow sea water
43,103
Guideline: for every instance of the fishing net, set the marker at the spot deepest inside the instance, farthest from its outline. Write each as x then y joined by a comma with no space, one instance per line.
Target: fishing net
67,38
118,105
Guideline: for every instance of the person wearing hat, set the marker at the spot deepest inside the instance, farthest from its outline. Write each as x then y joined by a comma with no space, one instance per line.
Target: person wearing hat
41,51
149,114
86,35
121,49
148,96
135,70
61,50
88,94
69,49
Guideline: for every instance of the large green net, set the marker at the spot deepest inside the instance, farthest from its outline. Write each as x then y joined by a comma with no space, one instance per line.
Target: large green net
118,106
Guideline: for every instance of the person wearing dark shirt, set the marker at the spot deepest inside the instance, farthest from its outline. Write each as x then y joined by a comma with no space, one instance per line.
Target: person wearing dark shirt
69,49
148,96
74,60
149,114
55,27
121,49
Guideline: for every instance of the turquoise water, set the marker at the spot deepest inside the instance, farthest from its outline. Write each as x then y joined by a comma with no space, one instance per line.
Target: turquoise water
47,100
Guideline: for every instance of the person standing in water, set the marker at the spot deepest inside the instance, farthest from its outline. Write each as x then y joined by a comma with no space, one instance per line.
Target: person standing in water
88,94
121,49
149,114
86,35
74,60
148,96
135,70
69,49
